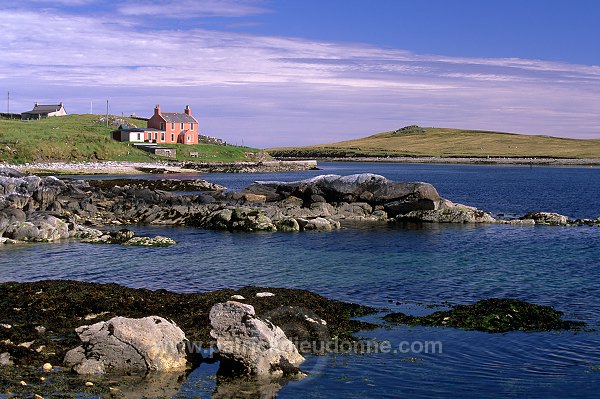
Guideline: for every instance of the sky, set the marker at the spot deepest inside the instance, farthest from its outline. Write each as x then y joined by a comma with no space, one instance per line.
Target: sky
269,73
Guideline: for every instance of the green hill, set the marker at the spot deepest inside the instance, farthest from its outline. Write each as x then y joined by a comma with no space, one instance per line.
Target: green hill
80,138
414,141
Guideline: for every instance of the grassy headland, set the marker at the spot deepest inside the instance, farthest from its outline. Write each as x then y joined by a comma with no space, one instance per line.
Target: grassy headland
81,138
414,141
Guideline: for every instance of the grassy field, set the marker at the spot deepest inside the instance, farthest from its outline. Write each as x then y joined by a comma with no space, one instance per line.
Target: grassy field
440,142
80,138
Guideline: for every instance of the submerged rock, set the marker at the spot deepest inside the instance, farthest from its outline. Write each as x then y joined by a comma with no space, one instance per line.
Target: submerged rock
128,237
249,345
492,315
125,345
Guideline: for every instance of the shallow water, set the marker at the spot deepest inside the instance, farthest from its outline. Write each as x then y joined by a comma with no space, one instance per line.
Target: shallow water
381,265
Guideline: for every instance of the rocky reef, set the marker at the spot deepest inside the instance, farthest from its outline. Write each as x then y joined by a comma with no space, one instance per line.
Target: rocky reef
33,208
492,315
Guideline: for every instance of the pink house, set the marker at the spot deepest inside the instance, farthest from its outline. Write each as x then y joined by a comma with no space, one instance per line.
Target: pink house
172,127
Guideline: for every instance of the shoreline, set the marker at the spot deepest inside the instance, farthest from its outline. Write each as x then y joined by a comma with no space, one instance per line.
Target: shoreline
460,160
165,167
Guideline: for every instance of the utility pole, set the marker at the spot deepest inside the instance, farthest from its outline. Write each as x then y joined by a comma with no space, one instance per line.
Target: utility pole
106,113
91,107
8,104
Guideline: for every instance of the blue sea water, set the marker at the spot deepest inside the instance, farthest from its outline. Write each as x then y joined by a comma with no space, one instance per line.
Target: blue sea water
398,268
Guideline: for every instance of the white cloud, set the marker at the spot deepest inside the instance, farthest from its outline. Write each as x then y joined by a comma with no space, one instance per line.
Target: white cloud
277,90
191,8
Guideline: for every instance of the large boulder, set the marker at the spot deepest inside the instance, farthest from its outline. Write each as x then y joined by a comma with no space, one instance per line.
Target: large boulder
125,345
396,197
39,227
250,345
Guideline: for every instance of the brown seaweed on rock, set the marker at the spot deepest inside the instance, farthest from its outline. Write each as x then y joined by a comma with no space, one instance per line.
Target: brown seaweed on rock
44,314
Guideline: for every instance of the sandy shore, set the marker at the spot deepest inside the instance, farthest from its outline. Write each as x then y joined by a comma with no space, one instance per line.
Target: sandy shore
130,168
92,168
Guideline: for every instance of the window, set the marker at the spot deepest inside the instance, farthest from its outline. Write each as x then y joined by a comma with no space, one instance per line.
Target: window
172,137
162,126
162,137
192,126
155,136
172,126
182,125
139,137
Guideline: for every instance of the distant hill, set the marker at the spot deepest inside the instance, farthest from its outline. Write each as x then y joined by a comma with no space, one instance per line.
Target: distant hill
80,138
415,141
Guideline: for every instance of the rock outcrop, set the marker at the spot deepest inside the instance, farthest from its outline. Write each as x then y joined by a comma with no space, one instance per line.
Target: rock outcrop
550,218
448,212
250,345
124,345
493,315
393,197
48,209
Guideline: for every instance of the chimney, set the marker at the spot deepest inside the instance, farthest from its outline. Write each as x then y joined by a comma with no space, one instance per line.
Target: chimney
35,104
188,110
157,109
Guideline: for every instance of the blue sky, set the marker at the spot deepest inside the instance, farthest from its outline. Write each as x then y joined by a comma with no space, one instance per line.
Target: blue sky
289,72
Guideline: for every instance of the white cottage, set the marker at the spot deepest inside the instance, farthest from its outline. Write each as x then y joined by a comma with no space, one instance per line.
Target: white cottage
44,111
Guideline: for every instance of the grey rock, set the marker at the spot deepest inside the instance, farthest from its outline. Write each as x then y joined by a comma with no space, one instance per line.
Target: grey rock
518,222
287,225
249,344
9,172
395,197
549,218
319,224
448,212
237,219
127,345
355,210
6,359
22,231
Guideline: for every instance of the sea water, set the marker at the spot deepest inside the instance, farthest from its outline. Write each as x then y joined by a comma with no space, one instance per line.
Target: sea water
395,268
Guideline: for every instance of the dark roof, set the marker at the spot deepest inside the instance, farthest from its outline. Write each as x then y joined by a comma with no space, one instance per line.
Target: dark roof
177,117
44,109
124,128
